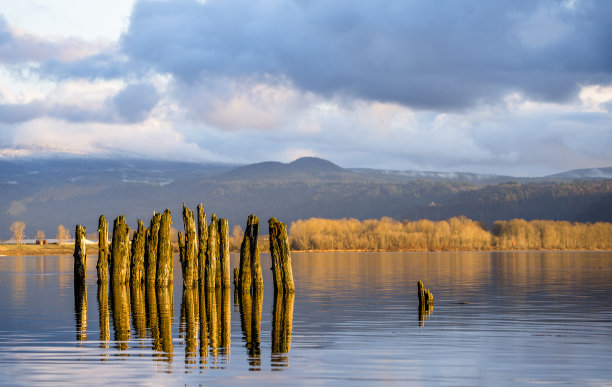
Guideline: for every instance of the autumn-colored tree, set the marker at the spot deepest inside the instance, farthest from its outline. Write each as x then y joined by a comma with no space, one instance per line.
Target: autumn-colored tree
62,234
18,230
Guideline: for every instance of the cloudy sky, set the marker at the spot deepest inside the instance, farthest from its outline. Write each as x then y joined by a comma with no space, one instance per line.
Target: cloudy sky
509,87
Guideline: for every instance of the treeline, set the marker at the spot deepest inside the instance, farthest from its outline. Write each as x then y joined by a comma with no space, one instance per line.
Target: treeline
457,233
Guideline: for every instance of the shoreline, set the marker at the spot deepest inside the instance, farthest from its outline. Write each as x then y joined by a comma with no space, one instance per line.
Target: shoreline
68,249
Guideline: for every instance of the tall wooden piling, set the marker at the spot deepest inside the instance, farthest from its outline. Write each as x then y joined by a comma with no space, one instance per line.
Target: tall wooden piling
137,270
188,254
120,254
102,265
164,251
224,253
212,253
250,264
80,254
281,257
202,244
152,235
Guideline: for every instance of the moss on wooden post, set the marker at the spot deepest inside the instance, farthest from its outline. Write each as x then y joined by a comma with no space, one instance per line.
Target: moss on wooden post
212,253
202,243
137,270
102,265
120,254
152,234
164,251
188,250
224,253
80,254
281,257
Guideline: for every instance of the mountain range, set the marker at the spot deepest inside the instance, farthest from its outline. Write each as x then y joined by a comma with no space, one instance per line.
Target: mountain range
46,192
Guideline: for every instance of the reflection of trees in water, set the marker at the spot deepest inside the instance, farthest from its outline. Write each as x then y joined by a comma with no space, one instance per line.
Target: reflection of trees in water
282,323
80,309
121,314
250,307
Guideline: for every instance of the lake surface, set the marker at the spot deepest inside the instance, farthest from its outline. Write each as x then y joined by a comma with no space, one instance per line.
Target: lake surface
524,318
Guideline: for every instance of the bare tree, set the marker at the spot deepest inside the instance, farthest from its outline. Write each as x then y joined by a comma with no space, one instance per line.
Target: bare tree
62,234
40,235
18,230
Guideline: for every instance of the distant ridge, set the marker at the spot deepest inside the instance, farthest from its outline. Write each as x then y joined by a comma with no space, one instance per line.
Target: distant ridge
587,173
304,167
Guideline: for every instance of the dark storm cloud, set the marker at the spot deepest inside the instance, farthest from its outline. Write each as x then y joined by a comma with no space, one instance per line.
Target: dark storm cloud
134,103
425,54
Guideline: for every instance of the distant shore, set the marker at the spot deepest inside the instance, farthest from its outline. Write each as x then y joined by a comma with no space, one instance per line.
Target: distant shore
68,249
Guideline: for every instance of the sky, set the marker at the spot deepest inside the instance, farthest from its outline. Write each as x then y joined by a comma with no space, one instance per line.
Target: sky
521,88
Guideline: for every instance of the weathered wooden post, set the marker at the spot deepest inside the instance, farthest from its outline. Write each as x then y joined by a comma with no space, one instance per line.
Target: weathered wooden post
164,251
250,264
80,254
212,253
224,253
202,244
188,254
137,270
120,263
102,265
281,257
425,296
151,249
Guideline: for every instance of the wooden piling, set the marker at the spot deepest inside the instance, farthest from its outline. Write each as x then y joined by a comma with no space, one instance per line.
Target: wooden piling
425,296
224,253
250,264
188,254
202,243
120,263
102,265
137,270
212,253
281,257
80,254
152,234
164,251
236,278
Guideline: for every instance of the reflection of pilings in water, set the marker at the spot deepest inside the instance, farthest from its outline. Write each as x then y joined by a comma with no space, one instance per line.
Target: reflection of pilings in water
165,309
103,314
139,319
152,315
189,322
80,309
203,325
282,323
226,321
121,314
250,321
424,310
213,322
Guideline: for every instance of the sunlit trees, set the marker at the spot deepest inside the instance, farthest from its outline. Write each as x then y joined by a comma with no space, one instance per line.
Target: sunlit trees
18,230
40,235
458,233
62,234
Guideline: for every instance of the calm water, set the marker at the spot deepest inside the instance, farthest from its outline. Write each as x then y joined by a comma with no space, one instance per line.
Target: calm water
498,319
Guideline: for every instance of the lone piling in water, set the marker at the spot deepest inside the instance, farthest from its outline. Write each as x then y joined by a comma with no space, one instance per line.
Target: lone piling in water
281,257
80,254
102,265
425,296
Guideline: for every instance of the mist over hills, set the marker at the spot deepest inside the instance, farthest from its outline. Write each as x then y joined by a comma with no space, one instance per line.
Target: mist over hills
47,192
